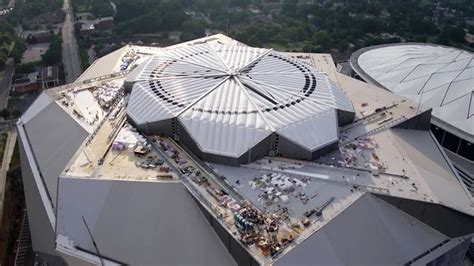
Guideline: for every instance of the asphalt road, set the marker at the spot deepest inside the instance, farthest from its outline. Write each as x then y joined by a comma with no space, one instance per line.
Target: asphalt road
5,83
71,58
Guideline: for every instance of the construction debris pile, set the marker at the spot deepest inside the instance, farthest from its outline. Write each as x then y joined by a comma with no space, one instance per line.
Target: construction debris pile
107,94
65,99
131,140
127,138
131,148
270,233
276,188
263,232
116,109
172,152
128,59
362,154
151,162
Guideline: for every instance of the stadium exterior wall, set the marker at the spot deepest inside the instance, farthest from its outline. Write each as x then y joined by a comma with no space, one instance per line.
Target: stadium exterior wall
41,227
161,128
235,248
344,117
287,148
421,121
450,252
447,221
258,151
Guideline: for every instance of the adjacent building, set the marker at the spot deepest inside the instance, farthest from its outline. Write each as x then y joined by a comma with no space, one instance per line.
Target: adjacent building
97,25
50,77
439,77
26,84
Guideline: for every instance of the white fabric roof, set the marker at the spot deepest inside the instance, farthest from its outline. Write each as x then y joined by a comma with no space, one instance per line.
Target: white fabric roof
231,97
441,77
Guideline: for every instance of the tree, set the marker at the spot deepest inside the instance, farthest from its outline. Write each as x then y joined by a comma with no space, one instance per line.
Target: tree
241,36
3,59
289,8
307,47
240,3
341,44
5,38
449,33
374,9
238,17
15,113
194,28
322,39
294,34
25,68
5,113
18,49
369,25
54,54
420,26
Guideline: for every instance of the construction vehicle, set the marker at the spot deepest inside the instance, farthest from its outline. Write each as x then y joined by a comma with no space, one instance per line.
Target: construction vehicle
319,211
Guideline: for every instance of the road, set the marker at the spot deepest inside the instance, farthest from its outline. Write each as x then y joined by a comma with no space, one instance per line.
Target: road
71,58
5,83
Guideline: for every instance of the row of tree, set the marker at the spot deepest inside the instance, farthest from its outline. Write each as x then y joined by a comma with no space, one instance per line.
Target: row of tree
354,24
317,27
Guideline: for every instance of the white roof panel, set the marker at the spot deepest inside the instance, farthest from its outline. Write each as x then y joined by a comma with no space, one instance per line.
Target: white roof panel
231,97
309,134
440,77
226,114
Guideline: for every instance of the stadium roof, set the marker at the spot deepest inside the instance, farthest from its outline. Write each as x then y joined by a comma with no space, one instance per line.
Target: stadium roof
78,148
224,94
437,76
168,224
396,236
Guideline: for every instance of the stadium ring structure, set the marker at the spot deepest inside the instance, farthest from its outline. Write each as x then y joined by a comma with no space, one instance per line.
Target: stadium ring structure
233,104
436,76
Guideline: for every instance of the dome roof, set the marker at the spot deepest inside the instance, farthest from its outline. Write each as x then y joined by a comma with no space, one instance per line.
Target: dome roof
440,77
231,97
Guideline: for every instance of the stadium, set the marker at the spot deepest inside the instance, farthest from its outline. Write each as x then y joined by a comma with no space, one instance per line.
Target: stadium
435,76
211,152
